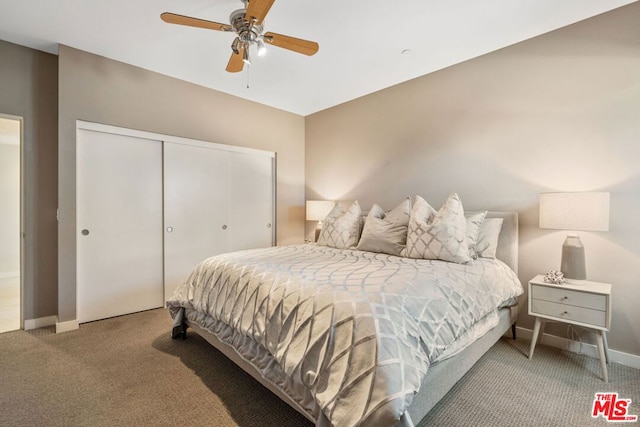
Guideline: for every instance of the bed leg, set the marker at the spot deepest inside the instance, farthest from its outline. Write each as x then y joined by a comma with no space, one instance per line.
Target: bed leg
513,331
179,331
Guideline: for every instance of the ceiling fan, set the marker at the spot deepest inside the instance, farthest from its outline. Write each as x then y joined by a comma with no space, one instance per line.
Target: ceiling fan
247,24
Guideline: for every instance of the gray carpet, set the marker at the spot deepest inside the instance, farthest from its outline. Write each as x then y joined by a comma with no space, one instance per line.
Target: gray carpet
126,371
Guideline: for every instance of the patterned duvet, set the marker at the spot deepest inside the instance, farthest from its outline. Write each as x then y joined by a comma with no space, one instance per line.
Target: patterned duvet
345,332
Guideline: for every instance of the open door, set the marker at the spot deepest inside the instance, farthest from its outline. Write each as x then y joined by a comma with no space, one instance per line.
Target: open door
10,214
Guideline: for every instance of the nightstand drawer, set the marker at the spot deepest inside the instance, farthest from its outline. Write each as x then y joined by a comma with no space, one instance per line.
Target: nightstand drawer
569,313
569,297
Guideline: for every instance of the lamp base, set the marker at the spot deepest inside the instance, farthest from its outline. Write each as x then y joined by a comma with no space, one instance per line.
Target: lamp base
572,264
317,231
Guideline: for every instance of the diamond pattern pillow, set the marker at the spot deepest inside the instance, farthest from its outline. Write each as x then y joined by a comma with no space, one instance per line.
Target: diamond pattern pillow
474,222
340,229
441,235
386,232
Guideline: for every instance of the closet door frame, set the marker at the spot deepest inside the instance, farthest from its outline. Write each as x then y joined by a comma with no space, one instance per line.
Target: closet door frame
99,127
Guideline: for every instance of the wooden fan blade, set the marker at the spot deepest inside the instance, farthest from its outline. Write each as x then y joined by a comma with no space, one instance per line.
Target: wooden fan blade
258,9
305,47
173,18
236,63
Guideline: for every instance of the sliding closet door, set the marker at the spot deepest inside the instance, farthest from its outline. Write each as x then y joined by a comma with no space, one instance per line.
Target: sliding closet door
119,225
252,191
196,192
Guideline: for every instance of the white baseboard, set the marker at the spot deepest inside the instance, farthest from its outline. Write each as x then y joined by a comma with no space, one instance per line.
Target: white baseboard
67,326
41,322
590,350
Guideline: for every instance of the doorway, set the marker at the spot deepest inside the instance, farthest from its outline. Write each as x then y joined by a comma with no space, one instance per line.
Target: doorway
10,224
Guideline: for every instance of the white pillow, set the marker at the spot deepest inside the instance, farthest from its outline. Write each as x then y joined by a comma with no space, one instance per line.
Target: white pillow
488,237
386,232
341,229
441,235
474,222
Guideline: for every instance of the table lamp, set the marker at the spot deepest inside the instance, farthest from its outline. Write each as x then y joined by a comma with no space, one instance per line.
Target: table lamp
577,212
317,210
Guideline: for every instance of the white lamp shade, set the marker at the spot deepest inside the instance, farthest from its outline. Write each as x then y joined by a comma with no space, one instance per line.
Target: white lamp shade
317,210
575,211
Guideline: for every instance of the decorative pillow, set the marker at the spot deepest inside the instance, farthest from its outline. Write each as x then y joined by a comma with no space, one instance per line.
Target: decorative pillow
444,237
386,232
474,222
337,211
340,229
488,237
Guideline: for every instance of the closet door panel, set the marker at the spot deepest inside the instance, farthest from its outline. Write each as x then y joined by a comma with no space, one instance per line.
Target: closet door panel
251,201
196,192
119,225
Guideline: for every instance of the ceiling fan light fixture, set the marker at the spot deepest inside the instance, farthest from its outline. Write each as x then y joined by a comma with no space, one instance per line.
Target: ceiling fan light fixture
245,56
261,48
234,46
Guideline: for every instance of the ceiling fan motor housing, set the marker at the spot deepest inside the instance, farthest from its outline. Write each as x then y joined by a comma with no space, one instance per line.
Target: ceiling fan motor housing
247,31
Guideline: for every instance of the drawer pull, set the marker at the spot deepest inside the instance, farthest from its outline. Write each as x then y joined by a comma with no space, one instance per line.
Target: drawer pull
565,313
565,298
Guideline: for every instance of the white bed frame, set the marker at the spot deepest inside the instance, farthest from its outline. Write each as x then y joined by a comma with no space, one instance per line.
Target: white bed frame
442,376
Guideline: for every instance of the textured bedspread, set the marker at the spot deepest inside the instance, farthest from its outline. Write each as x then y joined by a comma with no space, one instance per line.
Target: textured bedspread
357,329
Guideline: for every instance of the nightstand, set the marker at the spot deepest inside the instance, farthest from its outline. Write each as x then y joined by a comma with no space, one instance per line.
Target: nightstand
583,303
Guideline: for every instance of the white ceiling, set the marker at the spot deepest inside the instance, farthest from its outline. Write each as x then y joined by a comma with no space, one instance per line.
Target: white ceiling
361,42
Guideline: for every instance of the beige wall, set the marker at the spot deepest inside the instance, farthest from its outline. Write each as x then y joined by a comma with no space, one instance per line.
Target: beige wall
97,89
560,112
29,89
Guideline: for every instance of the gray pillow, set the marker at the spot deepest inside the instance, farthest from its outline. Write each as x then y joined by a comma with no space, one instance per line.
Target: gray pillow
386,232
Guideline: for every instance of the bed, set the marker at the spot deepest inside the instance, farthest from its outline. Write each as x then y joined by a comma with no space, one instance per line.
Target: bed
349,337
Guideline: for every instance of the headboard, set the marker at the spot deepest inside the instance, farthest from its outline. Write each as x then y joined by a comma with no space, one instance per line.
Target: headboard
508,240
